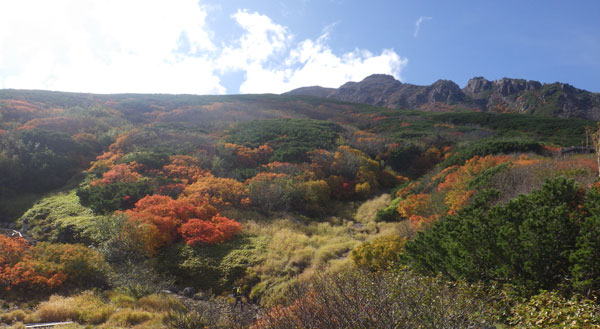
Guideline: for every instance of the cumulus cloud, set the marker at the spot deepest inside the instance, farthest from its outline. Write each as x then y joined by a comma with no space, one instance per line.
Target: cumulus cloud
106,46
164,46
273,63
418,24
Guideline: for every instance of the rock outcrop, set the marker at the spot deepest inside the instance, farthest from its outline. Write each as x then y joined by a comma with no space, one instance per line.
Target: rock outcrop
503,95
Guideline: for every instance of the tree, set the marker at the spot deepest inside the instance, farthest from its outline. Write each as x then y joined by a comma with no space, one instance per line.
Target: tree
162,220
594,136
220,191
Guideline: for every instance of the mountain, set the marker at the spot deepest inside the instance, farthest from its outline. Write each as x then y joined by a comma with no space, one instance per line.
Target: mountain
504,95
260,196
314,91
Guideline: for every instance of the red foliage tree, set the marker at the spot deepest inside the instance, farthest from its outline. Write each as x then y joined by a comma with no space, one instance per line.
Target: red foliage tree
168,219
216,230
185,168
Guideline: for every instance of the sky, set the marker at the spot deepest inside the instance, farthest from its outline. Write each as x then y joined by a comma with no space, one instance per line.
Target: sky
270,46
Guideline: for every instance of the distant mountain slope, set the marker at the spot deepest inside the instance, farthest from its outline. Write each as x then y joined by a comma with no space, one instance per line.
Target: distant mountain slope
503,95
314,91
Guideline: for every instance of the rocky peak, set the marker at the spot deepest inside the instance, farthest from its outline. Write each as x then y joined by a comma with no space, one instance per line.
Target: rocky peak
314,91
502,95
382,81
478,85
506,86
445,91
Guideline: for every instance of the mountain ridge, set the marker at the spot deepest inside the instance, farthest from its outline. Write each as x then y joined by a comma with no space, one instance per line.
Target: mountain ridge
506,95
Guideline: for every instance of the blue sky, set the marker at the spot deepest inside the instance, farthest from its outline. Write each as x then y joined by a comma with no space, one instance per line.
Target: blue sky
231,46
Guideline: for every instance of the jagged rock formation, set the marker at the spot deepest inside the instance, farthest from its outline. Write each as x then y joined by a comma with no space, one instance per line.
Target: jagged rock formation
503,95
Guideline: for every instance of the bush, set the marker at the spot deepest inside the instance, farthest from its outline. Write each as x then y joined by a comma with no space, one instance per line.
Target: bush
104,199
60,218
84,267
527,241
216,267
549,310
389,213
399,300
493,146
291,139
380,254
150,160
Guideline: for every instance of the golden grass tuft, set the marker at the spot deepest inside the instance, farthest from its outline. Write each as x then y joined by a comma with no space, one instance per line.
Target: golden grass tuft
58,309
13,317
160,303
130,317
85,308
368,210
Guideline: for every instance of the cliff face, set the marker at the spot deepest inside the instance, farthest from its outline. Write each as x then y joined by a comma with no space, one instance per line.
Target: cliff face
503,95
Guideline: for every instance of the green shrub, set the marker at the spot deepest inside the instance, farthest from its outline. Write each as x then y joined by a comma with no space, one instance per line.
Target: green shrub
389,213
291,139
493,146
104,199
533,241
150,160
216,267
550,310
60,218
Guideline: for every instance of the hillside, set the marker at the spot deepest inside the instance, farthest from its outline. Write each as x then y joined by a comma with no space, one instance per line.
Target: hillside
288,211
502,96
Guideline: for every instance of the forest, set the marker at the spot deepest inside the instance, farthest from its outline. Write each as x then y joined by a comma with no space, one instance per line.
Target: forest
280,211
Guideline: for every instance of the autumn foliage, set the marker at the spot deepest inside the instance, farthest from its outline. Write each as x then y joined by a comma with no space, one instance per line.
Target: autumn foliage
48,267
167,220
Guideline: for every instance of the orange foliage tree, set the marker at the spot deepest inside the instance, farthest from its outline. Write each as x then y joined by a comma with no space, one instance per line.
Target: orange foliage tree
185,168
220,191
247,157
164,220
124,172
46,267
456,182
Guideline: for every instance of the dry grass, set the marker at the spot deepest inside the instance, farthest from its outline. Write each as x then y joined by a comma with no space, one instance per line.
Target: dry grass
129,317
13,317
297,251
368,210
523,179
86,308
18,325
160,303
58,309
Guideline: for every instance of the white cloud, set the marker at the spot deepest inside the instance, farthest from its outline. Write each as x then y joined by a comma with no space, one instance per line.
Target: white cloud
163,46
262,40
418,24
106,46
307,63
